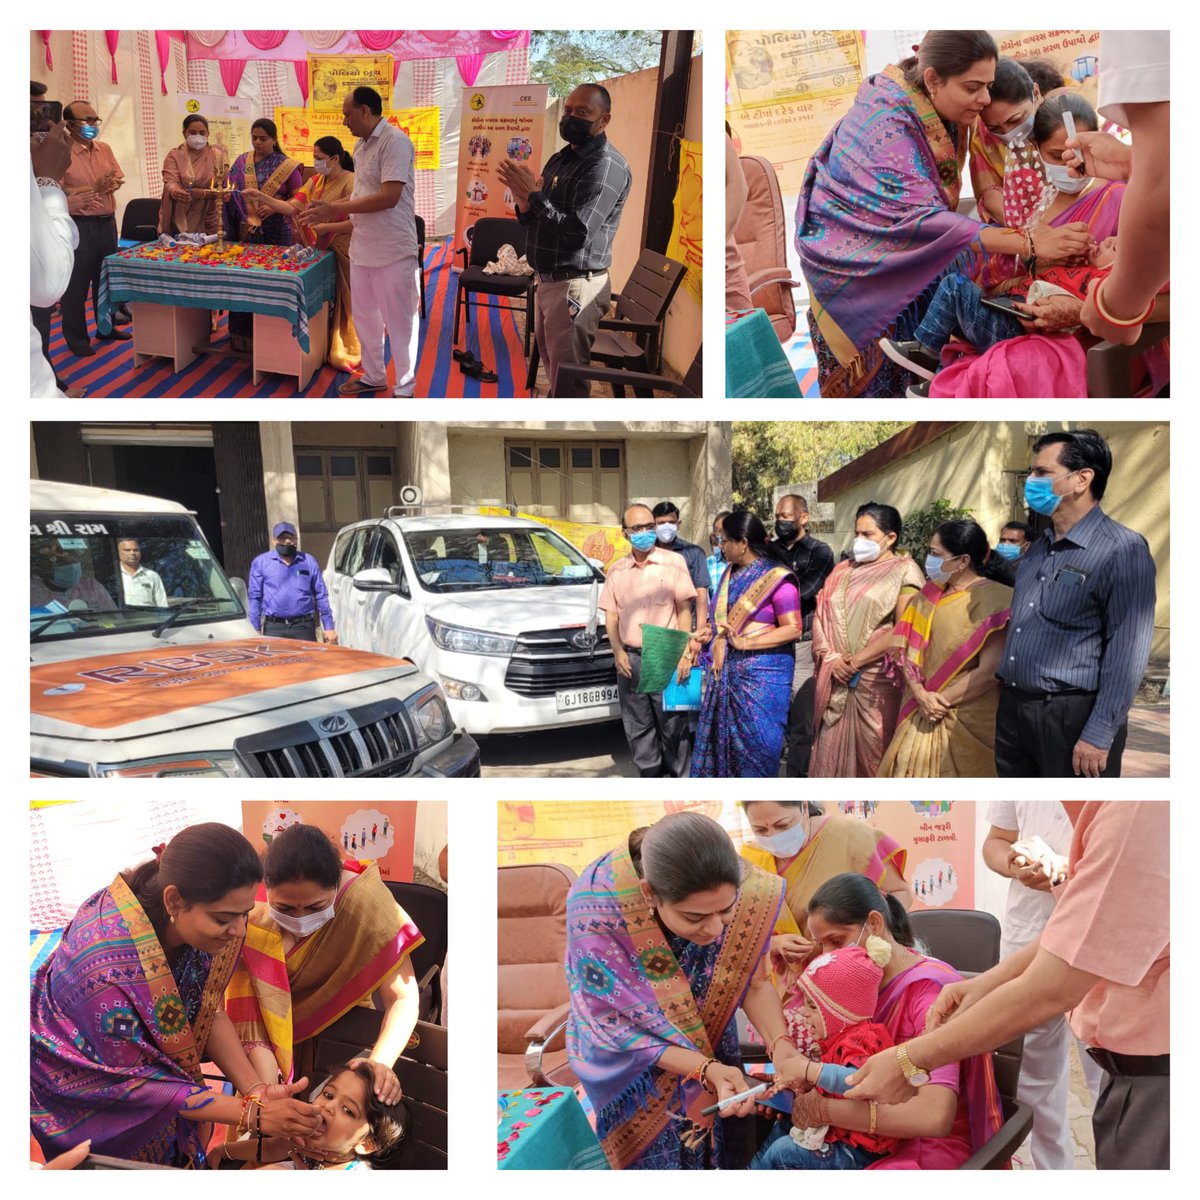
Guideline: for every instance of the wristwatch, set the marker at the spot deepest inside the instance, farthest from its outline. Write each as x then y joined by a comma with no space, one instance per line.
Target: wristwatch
916,1076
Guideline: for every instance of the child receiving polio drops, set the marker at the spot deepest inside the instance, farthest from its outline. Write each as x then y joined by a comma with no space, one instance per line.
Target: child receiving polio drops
829,1011
357,1131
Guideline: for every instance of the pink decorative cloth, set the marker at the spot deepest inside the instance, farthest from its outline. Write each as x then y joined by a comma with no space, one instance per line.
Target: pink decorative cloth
378,39
1033,365
112,36
162,42
232,70
302,79
46,42
265,39
468,67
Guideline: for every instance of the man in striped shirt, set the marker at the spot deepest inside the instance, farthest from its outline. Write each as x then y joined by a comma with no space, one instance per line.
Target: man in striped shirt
1082,619
571,212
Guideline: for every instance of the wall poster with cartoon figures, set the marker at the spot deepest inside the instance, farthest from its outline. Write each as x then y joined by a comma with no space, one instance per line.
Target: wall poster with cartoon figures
382,832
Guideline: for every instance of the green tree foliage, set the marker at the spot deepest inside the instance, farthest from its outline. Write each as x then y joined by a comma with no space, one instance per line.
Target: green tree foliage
565,58
918,529
767,454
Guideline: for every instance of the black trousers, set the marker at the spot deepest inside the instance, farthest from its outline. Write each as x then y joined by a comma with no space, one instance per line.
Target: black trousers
97,239
659,741
298,631
41,322
1132,1123
800,714
1035,735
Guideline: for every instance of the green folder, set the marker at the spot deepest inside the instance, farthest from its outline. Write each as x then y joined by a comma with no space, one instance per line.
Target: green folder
661,651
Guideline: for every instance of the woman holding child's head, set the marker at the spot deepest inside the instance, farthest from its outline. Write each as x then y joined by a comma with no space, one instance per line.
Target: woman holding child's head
142,970
340,938
956,1112
671,918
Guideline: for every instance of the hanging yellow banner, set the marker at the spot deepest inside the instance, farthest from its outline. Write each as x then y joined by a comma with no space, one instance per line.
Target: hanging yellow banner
604,543
300,128
686,244
1075,52
331,76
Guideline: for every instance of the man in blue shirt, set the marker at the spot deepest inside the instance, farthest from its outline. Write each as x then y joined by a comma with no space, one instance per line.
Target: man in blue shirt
1082,621
287,591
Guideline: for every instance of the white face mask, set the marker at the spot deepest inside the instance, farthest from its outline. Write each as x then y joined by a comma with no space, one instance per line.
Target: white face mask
1020,134
1060,177
784,845
322,167
302,926
667,533
865,550
197,141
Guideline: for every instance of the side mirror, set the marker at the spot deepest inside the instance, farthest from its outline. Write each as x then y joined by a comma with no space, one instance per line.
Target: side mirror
596,563
375,579
239,590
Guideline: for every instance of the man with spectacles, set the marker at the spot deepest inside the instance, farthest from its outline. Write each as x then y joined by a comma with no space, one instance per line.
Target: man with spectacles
650,586
1082,620
90,182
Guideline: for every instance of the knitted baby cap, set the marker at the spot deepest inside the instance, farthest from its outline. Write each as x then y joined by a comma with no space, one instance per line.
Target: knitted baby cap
844,983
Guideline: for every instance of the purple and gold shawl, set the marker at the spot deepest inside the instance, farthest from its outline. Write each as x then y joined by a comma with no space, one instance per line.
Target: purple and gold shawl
117,1038
875,223
630,1000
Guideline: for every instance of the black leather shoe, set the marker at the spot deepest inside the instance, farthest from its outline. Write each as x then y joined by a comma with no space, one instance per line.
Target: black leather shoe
117,335
122,316
84,351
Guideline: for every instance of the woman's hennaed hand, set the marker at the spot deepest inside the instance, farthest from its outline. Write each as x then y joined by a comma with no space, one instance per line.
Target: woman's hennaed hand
386,1085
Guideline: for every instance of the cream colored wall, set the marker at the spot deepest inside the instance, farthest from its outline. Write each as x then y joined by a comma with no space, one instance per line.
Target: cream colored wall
630,132
967,467
661,470
477,468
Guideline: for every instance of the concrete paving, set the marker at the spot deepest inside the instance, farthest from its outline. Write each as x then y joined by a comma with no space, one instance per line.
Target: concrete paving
1148,750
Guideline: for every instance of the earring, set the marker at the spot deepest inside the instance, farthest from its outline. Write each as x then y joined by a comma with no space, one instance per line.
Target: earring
172,918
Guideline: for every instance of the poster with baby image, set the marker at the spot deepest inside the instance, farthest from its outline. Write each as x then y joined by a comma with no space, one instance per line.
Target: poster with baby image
382,833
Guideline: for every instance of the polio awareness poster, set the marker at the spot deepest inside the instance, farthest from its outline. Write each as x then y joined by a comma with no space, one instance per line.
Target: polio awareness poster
939,835
301,128
331,76
229,119
382,832
498,123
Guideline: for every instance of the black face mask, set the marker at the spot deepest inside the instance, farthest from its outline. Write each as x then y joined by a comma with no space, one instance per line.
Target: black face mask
786,530
575,130
285,551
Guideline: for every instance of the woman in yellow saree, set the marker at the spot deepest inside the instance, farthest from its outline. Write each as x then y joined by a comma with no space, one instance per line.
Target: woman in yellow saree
321,940
333,179
804,847
947,645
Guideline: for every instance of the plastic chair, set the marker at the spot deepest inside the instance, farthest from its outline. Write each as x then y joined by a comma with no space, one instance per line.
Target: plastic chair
994,1155
965,938
140,222
428,907
421,260
489,234
532,984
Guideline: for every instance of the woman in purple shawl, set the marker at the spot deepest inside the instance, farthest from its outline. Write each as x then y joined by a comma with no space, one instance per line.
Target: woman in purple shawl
959,1109
131,1002
876,225
667,937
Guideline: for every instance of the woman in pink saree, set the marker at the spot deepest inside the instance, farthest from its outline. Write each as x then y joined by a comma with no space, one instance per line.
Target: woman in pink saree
955,1114
857,694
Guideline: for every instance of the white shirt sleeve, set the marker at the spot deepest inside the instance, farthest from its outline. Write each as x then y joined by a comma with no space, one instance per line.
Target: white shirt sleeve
1135,68
397,159
52,241
1002,814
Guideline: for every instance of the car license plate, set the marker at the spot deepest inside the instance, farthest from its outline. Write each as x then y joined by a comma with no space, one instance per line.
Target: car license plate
593,697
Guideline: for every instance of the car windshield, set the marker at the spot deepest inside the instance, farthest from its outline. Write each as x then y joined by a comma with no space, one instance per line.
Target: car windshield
91,573
472,560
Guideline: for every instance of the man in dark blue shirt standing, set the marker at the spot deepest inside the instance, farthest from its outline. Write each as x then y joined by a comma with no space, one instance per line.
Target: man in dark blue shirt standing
287,591
1082,620
571,212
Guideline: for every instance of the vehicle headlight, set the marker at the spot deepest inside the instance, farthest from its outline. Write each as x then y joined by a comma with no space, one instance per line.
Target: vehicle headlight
468,641
220,764
430,715
461,689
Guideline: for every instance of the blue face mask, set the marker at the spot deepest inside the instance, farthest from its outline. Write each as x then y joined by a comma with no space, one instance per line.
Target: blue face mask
1040,494
1006,550
67,575
89,131
643,541
933,569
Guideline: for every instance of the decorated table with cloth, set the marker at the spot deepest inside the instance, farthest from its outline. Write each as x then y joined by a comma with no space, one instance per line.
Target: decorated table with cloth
755,363
545,1129
173,289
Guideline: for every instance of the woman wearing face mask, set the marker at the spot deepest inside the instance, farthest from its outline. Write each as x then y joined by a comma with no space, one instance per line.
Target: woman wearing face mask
189,167
877,222
332,179
323,938
857,697
958,1109
129,1004
667,937
748,657
947,646
1006,171
797,842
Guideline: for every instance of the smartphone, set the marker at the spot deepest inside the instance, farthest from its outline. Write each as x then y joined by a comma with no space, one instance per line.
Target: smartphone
43,115
1002,304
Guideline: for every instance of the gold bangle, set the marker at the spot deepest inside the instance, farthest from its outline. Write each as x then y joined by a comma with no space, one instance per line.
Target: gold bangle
874,1117
1120,322
781,1037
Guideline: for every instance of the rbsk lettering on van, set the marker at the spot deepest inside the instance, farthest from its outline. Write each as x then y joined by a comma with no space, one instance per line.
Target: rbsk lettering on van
202,660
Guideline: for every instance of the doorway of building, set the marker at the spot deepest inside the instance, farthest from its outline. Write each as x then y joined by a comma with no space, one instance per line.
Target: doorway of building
185,474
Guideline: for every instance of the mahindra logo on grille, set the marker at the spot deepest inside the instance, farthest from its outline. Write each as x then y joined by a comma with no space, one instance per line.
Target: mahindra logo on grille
334,724
583,640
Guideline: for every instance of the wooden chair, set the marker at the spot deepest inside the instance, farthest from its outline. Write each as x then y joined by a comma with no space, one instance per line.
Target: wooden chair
641,383
488,235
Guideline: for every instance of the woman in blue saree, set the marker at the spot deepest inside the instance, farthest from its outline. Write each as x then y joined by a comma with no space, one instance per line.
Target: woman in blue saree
754,619
667,937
